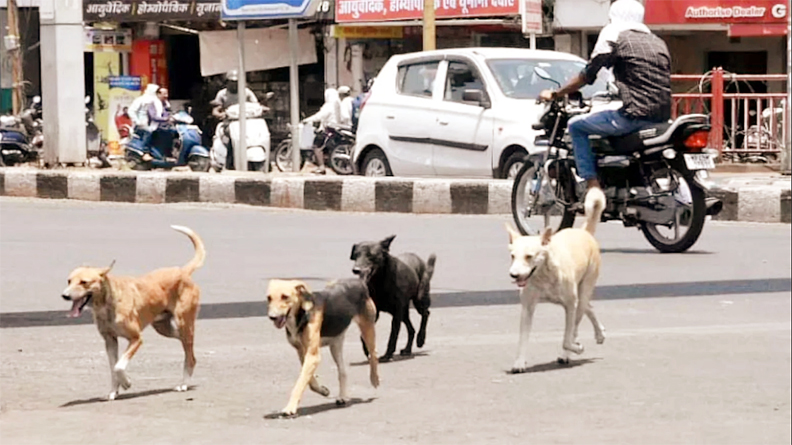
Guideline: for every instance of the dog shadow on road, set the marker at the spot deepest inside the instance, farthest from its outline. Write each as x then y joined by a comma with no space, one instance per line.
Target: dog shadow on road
311,410
396,358
123,396
555,366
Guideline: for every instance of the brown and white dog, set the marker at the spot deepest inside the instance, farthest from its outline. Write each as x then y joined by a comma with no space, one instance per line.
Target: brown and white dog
317,319
166,298
561,269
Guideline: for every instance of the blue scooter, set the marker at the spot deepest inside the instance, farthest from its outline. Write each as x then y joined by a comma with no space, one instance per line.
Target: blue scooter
186,148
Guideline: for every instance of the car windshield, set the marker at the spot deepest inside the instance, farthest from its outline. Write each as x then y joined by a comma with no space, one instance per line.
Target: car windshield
517,79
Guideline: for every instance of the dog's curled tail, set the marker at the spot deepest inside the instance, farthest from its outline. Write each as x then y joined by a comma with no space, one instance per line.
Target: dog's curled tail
200,251
594,204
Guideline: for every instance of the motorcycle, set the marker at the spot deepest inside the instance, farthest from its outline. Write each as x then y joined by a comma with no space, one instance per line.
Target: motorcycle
21,136
186,149
653,179
95,148
337,145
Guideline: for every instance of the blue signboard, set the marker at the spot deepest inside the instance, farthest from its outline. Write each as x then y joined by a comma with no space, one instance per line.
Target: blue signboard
267,9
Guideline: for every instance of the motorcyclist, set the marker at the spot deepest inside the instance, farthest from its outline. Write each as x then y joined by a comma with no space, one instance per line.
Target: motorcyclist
225,98
139,113
329,114
642,67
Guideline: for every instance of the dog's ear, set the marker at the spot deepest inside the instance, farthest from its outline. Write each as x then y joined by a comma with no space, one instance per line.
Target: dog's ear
107,270
306,296
387,242
354,252
546,235
513,234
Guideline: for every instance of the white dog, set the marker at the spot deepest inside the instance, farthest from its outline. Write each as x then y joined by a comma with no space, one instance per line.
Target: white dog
562,269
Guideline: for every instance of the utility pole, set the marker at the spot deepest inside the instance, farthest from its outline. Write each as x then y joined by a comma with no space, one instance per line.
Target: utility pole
429,25
15,52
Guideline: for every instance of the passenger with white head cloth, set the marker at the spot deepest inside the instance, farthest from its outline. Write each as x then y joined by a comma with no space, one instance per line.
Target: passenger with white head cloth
641,65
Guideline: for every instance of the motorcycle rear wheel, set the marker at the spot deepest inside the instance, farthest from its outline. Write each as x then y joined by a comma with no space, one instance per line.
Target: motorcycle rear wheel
199,164
341,159
692,211
135,163
526,190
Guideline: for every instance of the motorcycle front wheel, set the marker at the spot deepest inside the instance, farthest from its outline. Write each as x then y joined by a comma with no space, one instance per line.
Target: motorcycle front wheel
689,214
135,163
535,204
341,159
283,156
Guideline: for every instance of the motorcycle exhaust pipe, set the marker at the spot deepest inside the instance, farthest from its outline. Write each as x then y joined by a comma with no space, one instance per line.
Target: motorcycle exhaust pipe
714,206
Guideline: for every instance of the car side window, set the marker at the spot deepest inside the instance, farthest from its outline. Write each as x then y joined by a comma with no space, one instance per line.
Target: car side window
460,77
418,79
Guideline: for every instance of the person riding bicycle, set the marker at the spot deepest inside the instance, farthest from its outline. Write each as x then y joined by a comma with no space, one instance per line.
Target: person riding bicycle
642,67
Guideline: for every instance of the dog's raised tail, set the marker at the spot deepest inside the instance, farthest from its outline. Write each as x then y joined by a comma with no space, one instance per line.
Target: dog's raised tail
200,251
594,204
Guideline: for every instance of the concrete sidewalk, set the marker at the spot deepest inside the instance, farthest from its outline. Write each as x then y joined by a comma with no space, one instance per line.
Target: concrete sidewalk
758,197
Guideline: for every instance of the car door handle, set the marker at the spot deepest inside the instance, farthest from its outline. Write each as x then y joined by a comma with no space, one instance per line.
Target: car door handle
390,117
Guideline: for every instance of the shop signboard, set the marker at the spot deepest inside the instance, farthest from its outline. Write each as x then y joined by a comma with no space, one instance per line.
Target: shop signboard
150,10
267,9
744,17
367,32
531,14
383,10
148,62
108,40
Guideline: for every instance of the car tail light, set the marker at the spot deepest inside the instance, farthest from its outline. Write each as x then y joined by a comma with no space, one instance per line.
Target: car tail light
697,141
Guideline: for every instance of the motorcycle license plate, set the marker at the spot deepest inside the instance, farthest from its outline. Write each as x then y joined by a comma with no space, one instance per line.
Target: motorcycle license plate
699,161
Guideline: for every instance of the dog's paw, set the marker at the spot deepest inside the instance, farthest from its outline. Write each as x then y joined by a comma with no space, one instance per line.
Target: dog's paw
420,340
323,391
519,366
577,348
287,414
341,402
406,352
375,380
563,360
386,358
600,337
112,396
180,388
123,379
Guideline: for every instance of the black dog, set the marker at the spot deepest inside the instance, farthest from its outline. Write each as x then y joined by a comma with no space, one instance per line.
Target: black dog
392,282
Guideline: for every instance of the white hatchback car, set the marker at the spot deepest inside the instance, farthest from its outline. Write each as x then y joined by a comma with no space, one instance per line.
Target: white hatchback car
458,112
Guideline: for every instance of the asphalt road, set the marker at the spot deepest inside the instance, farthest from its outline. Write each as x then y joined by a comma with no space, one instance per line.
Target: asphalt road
698,347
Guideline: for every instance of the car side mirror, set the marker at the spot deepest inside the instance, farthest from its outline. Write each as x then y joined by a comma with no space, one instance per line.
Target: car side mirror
476,96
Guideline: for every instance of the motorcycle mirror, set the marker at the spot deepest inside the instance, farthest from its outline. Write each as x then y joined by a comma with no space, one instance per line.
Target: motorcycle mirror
36,99
87,99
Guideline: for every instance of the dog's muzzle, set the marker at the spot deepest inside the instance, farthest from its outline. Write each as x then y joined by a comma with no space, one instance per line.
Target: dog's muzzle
279,321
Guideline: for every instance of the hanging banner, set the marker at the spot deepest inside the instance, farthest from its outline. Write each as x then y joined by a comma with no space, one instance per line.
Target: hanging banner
663,12
123,90
106,66
148,62
383,10
367,32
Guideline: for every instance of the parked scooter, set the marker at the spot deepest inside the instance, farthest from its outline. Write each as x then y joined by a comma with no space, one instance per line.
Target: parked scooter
186,150
21,137
257,135
339,142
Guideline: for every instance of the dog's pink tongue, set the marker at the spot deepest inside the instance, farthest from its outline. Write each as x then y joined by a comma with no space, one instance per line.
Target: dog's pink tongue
75,310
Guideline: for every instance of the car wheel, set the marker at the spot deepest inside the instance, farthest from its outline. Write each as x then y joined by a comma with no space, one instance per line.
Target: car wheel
512,165
376,164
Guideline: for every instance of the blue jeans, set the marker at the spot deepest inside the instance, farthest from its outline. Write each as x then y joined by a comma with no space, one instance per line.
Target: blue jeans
604,123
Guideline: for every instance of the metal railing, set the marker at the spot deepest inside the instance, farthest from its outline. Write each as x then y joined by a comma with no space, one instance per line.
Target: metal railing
744,123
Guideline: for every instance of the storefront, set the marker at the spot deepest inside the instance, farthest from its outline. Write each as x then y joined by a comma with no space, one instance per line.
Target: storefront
741,36
367,33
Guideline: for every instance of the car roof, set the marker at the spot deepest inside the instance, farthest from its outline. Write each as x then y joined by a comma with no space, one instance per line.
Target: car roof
492,53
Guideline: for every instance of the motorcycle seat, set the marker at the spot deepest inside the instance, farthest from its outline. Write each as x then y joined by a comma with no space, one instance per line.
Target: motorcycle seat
638,140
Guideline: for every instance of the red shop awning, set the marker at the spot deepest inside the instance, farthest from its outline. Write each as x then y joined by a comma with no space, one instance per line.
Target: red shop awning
696,12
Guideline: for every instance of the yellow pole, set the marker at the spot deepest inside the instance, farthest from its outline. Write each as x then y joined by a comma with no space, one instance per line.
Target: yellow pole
429,26
16,58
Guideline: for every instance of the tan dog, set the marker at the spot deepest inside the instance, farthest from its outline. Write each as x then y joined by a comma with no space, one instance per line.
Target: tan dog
561,269
313,320
123,306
